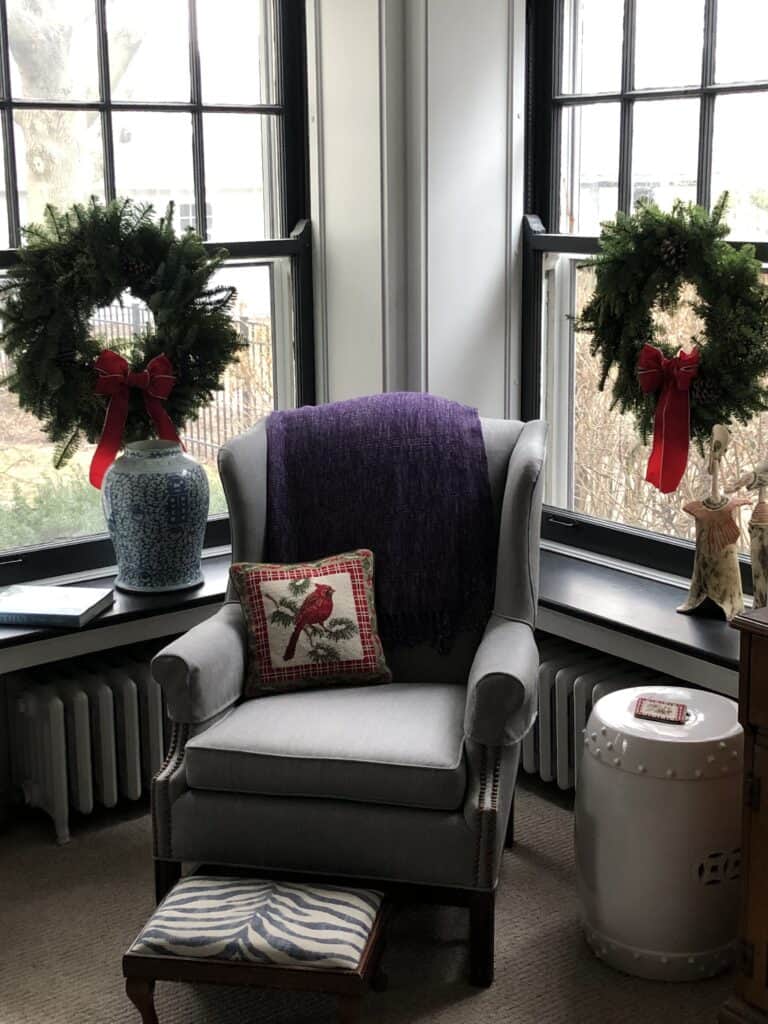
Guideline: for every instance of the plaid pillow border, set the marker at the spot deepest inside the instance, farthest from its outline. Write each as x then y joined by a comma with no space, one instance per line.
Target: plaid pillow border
262,677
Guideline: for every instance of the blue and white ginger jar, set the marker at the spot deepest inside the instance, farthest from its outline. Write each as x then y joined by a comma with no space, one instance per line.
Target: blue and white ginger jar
155,500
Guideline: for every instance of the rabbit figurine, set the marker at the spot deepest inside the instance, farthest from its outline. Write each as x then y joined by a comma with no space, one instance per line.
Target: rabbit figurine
757,480
716,573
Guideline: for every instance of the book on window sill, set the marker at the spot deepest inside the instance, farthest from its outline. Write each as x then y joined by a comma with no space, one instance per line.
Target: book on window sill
32,605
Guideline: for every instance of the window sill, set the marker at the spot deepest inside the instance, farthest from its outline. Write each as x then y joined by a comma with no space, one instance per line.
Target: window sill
620,610
634,616
132,618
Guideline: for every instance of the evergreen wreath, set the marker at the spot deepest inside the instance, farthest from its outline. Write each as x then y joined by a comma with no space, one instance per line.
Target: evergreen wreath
84,259
645,259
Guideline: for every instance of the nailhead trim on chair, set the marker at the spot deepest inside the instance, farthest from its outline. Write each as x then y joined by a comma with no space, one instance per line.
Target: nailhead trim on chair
173,760
487,817
490,851
479,815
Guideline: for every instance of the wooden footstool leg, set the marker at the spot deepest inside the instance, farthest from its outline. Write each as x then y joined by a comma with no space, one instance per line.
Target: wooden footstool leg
141,992
349,1009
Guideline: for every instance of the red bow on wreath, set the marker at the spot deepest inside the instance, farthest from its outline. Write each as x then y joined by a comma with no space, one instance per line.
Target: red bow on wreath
671,425
115,379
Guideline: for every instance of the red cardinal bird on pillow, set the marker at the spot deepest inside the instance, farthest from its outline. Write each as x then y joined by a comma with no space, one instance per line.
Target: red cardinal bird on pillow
315,609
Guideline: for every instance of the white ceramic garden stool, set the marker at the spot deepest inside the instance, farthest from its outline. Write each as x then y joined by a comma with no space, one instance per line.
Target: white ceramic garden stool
658,834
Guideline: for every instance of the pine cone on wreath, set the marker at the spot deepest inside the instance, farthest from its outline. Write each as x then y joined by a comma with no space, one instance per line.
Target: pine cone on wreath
673,253
704,392
135,269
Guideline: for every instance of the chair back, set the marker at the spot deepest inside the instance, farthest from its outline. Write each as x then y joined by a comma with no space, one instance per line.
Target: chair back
514,452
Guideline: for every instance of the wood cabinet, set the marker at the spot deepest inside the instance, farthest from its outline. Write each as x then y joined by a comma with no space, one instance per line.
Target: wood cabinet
750,1004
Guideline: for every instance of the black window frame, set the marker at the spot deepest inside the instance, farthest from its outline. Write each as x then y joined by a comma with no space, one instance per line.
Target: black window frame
87,554
545,102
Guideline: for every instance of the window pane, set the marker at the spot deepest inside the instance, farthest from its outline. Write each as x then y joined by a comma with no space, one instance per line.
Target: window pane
53,50
592,42
39,504
149,50
153,159
589,168
597,461
59,159
668,43
248,386
742,30
241,176
665,154
740,163
238,54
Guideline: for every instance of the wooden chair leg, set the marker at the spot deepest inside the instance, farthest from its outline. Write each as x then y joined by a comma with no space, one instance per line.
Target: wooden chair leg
509,838
141,992
167,874
481,938
349,1008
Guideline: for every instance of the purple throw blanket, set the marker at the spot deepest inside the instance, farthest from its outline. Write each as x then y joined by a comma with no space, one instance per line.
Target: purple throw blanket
404,474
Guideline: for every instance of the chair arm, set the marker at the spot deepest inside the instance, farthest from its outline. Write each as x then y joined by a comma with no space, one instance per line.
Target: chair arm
501,691
517,575
202,672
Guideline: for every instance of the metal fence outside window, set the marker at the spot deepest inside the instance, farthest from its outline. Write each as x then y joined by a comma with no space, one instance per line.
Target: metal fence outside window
247,391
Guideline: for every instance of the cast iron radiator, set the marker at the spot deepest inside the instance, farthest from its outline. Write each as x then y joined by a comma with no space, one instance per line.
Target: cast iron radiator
86,731
571,679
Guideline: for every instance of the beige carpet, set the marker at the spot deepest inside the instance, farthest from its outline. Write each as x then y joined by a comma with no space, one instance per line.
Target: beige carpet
67,913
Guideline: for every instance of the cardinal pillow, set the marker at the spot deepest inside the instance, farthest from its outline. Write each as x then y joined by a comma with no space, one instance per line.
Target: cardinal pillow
312,624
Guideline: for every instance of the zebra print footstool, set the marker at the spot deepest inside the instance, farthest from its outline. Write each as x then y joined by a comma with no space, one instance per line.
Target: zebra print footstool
247,931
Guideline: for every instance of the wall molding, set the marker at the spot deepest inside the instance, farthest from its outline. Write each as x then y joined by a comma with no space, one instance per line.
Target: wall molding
416,166
317,196
392,116
417,193
516,46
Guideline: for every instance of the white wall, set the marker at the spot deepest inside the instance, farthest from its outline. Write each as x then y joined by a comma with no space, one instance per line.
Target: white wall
345,116
416,148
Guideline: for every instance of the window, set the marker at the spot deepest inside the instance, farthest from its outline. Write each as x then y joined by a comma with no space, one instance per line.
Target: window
198,103
629,99
187,216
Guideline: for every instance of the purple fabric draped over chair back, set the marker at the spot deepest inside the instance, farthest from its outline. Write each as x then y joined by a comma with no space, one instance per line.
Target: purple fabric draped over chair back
404,474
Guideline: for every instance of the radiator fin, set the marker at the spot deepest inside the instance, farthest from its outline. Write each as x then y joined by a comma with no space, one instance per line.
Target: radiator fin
85,732
571,679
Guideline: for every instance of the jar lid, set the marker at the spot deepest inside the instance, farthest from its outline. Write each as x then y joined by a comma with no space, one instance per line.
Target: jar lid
707,744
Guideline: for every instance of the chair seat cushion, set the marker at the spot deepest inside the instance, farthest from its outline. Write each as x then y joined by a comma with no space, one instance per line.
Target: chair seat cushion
399,743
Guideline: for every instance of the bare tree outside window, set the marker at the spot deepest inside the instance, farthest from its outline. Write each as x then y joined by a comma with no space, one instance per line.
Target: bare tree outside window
609,458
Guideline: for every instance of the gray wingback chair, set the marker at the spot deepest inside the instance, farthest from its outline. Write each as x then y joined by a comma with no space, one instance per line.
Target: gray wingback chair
407,786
